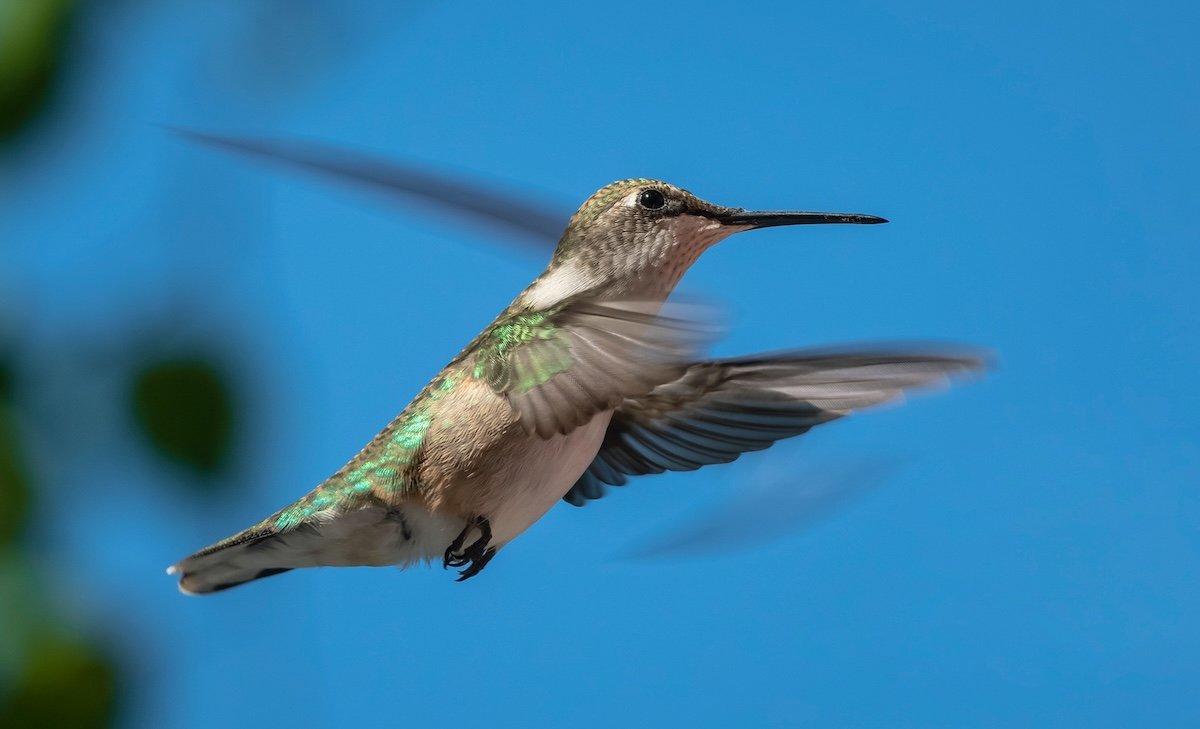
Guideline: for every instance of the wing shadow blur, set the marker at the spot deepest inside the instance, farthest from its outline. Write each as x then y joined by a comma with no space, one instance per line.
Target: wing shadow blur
783,498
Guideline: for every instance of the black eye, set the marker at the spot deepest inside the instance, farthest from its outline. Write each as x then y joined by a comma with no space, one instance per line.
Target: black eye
651,199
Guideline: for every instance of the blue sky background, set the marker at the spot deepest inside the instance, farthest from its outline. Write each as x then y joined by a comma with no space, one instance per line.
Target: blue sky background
1034,561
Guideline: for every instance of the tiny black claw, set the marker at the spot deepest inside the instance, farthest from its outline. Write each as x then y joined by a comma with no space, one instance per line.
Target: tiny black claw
476,555
477,564
449,559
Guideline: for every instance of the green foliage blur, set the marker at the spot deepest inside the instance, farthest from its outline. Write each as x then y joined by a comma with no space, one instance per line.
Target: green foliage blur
185,411
32,47
64,683
14,482
52,674
49,677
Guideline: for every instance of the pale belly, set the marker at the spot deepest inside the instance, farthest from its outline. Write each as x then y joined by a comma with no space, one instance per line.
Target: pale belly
518,490
540,475
481,462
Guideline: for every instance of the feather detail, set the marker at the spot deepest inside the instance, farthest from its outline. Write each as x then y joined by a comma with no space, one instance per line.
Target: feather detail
717,410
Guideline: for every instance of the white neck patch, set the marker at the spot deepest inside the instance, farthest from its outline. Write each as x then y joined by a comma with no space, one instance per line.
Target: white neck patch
678,243
561,283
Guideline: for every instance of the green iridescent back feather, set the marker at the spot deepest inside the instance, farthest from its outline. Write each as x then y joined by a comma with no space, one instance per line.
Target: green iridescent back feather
549,356
383,469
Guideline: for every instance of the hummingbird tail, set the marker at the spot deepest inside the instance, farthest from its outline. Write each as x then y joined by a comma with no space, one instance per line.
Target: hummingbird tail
244,557
375,535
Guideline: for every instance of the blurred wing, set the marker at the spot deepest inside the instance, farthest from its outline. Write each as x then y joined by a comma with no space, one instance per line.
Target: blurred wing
717,410
536,223
559,368
784,496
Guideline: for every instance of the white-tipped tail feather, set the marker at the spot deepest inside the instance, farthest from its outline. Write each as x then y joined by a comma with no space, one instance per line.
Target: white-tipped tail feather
370,536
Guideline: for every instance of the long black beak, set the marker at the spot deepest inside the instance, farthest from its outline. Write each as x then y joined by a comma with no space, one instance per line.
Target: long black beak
768,219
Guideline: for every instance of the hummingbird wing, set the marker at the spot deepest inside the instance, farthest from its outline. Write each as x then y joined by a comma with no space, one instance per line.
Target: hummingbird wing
719,409
558,368
537,223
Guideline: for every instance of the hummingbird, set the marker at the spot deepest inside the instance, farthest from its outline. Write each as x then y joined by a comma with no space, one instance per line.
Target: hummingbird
590,377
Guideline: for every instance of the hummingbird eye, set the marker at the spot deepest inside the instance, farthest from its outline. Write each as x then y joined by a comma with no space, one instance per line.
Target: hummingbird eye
651,199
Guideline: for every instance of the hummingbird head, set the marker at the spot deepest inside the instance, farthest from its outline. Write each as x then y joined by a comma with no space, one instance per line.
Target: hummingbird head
637,238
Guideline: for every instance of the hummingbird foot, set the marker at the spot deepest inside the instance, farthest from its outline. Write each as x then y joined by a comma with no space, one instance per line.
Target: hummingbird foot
477,564
476,555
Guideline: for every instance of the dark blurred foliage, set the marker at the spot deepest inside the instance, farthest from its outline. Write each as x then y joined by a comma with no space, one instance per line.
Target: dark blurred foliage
50,675
52,672
63,683
54,678
185,410
6,380
14,481
32,35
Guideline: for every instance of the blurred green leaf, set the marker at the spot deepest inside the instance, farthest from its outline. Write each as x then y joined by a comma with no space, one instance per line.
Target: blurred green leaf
32,38
185,409
6,381
21,608
63,683
14,481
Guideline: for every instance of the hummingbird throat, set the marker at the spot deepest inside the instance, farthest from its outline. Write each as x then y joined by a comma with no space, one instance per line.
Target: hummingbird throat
646,268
